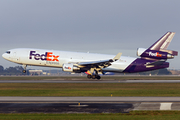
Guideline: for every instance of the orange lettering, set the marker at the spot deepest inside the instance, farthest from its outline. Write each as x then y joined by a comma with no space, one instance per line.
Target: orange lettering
48,56
55,58
158,55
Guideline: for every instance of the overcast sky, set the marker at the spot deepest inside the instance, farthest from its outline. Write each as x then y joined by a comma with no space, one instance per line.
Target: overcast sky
97,26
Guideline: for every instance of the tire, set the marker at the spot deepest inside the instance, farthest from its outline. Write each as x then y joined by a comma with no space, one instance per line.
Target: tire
89,76
93,77
98,77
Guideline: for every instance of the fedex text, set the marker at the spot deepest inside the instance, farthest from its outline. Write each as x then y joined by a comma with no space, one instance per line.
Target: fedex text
48,56
155,54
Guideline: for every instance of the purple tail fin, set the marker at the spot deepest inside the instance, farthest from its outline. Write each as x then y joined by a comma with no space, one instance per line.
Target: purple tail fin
163,43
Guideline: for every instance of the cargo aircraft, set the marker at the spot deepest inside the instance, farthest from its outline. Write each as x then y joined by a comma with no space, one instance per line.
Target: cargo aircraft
94,64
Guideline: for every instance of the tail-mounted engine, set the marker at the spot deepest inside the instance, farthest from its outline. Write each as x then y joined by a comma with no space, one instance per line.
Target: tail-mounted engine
69,67
156,54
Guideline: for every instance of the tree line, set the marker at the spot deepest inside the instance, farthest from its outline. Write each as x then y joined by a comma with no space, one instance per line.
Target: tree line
17,70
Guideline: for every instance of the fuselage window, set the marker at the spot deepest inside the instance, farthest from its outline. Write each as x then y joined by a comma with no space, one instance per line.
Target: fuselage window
8,52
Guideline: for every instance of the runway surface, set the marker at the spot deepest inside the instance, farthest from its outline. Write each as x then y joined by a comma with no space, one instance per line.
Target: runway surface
86,104
65,107
88,81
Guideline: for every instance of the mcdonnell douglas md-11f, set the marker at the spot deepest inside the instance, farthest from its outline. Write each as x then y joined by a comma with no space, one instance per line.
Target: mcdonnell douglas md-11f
94,64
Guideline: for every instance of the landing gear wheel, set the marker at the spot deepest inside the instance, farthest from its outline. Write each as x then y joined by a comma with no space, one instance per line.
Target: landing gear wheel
93,77
24,71
98,77
89,76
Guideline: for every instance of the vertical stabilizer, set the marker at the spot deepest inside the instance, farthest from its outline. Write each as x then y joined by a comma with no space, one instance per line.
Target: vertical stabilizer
159,49
163,42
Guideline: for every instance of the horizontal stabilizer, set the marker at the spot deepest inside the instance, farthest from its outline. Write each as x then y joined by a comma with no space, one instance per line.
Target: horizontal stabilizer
160,62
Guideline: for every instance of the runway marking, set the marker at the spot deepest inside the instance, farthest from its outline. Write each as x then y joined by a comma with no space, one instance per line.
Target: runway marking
165,106
78,105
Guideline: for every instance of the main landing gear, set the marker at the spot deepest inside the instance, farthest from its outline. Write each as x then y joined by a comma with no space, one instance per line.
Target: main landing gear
93,76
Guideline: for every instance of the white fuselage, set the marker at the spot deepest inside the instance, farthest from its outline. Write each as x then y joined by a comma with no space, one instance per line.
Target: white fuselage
54,58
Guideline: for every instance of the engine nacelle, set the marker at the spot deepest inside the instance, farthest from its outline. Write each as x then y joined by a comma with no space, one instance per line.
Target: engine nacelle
142,52
68,67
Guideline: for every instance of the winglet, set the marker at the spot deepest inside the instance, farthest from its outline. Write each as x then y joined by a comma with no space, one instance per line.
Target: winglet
117,57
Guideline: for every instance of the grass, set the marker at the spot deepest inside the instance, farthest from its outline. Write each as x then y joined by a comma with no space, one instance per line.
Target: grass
89,89
133,115
122,77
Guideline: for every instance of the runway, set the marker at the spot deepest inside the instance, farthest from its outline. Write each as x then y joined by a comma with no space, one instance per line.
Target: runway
89,81
65,107
86,104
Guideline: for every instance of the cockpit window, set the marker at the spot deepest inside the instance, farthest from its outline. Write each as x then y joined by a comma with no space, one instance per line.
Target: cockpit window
8,52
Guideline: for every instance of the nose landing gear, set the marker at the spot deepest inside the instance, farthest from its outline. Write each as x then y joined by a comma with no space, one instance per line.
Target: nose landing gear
24,71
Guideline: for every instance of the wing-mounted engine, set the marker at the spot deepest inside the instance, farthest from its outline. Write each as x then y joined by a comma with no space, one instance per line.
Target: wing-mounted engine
70,67
161,54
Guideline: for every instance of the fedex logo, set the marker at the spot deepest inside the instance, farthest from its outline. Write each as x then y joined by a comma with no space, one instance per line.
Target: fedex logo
68,68
48,56
155,54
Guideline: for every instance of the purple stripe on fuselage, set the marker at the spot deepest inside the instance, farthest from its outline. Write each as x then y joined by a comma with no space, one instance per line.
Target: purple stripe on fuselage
139,66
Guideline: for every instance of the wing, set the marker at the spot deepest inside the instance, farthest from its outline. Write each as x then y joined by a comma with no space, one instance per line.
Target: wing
100,63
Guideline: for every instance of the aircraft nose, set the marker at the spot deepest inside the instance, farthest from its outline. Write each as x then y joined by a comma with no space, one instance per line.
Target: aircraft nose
4,56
